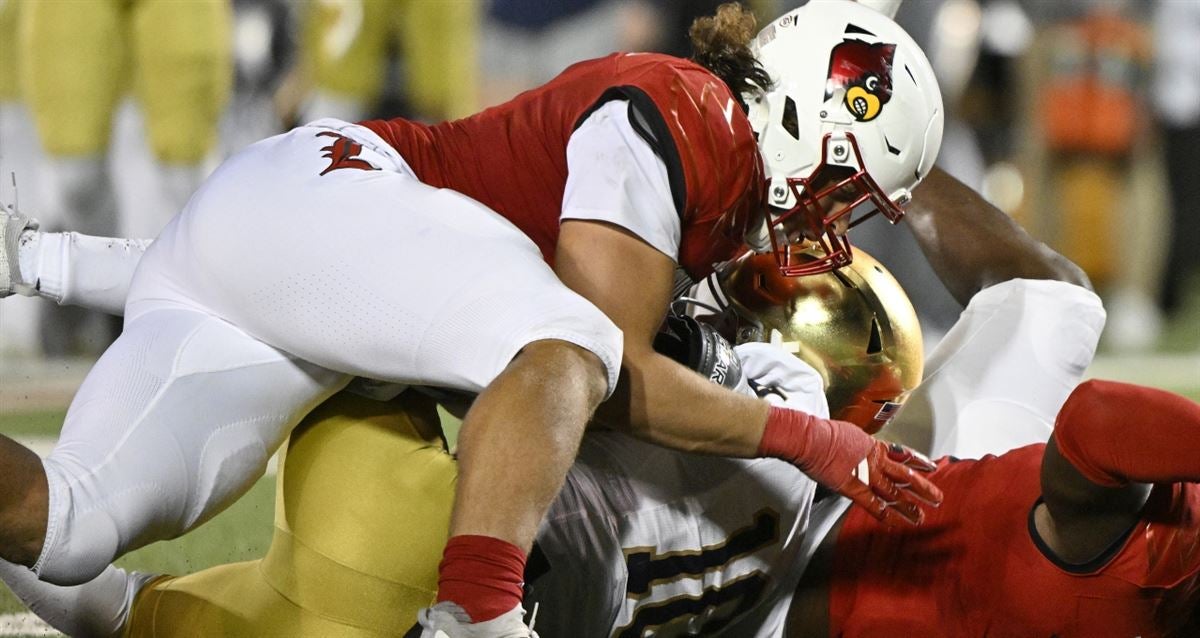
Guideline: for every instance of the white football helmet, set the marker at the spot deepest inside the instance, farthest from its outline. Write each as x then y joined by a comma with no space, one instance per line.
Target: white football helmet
851,90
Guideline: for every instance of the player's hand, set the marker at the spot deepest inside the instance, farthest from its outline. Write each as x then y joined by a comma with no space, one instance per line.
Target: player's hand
885,479
888,483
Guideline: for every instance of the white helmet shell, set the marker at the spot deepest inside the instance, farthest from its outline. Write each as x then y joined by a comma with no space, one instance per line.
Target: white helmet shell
852,89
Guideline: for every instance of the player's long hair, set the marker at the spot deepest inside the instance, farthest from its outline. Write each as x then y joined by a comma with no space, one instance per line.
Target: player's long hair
720,43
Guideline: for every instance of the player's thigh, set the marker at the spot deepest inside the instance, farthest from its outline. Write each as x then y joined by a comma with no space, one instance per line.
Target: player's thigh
184,70
999,377
71,71
369,272
175,421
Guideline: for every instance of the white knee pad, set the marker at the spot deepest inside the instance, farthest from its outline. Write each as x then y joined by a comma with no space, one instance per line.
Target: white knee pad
175,421
82,539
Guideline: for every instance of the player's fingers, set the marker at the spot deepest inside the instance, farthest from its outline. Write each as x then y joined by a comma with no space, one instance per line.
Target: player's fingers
862,495
912,482
886,486
902,512
905,512
910,457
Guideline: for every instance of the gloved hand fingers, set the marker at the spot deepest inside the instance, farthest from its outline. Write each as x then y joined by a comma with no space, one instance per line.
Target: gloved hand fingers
910,457
886,486
862,495
903,511
910,482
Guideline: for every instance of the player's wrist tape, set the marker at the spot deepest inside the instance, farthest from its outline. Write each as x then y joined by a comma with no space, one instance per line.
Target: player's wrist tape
825,449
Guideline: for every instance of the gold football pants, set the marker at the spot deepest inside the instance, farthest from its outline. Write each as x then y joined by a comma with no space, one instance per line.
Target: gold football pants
361,517
78,58
346,44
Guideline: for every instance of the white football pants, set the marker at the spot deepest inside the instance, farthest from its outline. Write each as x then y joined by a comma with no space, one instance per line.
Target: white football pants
264,296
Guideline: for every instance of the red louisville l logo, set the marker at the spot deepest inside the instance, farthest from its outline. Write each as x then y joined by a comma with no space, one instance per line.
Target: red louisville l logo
342,153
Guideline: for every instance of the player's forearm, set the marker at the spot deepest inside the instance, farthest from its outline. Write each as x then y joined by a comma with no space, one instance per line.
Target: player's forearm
1117,433
972,244
81,270
665,403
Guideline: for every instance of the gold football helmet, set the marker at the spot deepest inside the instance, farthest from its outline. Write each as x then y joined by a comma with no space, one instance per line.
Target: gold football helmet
855,325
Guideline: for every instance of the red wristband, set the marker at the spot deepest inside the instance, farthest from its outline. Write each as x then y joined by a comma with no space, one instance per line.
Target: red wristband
826,450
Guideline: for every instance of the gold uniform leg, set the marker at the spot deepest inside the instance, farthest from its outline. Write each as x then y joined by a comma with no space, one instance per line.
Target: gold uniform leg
362,515
71,71
184,71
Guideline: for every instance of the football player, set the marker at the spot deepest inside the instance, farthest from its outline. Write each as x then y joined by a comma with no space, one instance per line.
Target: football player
851,326
641,537
1094,533
78,62
344,46
854,326
526,254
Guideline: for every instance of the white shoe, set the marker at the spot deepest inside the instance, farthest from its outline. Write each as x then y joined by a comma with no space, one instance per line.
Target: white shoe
448,620
12,224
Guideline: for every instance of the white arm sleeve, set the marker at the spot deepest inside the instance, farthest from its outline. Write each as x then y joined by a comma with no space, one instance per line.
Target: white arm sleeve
90,272
614,176
997,380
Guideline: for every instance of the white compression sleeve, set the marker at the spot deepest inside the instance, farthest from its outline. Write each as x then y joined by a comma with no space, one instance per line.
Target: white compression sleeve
99,607
81,270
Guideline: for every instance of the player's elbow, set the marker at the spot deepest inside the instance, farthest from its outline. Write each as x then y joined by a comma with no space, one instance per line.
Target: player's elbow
1055,266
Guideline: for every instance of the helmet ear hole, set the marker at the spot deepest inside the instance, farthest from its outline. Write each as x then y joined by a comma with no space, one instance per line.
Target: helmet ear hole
790,121
875,341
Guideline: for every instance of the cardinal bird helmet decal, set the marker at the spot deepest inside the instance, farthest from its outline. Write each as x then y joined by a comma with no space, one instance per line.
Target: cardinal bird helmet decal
851,124
864,72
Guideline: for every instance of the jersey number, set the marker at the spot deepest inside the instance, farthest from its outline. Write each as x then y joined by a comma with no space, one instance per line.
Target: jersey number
716,606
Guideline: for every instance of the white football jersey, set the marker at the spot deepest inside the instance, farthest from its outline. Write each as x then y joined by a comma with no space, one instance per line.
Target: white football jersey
645,540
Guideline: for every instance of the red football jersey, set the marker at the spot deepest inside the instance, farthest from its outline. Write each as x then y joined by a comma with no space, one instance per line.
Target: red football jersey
513,157
974,567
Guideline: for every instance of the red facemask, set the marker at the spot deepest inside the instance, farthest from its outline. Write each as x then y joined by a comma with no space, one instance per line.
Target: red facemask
819,223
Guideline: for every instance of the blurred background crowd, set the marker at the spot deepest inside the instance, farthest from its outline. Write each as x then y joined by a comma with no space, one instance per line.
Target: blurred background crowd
1079,117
